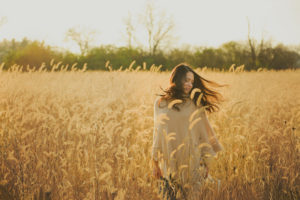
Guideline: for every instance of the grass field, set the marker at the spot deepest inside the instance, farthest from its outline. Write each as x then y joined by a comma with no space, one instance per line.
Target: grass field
88,135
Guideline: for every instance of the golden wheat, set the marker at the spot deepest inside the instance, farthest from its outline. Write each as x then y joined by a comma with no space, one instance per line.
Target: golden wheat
88,135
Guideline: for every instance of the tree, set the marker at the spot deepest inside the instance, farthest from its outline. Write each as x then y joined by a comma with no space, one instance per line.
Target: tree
158,26
3,20
255,48
129,30
82,38
33,54
155,24
283,58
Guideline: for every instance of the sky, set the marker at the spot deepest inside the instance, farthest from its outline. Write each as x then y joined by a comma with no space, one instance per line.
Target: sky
197,22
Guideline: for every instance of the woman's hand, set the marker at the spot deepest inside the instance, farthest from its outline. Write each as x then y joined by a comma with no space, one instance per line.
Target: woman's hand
206,175
156,170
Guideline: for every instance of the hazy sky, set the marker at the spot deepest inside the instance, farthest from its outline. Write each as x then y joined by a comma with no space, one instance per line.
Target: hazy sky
198,22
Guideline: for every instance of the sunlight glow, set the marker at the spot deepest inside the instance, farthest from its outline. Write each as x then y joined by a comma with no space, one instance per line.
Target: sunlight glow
197,22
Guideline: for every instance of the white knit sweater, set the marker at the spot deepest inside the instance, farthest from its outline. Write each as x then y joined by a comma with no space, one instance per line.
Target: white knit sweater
182,140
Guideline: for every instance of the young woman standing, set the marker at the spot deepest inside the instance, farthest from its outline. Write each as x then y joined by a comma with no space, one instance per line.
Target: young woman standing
184,142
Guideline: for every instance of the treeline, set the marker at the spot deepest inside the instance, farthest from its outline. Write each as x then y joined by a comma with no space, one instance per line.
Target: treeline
263,55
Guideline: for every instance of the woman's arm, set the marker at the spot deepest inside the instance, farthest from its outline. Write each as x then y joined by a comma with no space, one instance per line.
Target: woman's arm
156,170
211,135
156,147
213,141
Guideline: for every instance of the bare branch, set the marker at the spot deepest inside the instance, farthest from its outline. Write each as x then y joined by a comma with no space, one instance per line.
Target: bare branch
81,37
159,28
251,45
129,30
3,20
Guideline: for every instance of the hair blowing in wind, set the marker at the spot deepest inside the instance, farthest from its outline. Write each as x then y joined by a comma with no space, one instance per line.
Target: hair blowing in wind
210,98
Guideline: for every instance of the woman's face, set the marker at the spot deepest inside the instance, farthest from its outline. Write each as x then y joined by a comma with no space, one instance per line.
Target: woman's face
188,82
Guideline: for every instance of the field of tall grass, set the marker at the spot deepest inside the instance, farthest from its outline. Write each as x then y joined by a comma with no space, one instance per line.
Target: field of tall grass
88,135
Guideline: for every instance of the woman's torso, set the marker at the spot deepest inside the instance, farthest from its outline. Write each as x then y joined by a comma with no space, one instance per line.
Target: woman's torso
181,154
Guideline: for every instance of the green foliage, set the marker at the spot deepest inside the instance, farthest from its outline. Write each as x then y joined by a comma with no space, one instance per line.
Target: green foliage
123,56
35,53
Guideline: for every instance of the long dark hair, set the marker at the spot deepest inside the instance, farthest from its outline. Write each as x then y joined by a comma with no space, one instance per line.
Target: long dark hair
210,99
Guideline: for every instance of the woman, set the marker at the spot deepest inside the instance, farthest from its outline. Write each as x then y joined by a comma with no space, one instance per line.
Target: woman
183,139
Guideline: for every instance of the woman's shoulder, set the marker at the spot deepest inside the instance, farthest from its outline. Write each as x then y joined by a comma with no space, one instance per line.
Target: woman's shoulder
159,101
